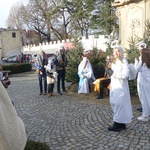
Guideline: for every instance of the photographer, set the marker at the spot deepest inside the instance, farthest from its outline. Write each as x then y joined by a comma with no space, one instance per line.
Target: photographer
12,133
5,81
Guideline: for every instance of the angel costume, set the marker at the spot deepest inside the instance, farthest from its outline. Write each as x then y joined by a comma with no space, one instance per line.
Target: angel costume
85,73
119,94
143,87
12,130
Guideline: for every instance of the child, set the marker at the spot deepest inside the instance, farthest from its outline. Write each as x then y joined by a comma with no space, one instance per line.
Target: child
51,77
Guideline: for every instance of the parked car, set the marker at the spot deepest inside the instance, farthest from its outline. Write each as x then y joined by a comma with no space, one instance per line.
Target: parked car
32,58
15,59
5,59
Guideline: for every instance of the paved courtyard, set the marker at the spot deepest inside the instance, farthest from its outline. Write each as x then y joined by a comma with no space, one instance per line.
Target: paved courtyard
68,123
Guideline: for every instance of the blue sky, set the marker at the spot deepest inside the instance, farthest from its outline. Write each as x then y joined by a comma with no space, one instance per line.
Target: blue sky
5,7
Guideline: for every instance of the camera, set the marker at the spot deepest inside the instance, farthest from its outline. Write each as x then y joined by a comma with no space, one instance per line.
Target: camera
7,80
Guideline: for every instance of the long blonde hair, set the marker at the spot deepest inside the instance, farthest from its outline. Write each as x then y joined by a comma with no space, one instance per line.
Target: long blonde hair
121,54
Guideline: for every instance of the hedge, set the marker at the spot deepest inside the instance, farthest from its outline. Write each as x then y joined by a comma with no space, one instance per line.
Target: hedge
18,68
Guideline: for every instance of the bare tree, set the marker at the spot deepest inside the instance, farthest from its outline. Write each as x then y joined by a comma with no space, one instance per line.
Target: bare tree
14,19
55,19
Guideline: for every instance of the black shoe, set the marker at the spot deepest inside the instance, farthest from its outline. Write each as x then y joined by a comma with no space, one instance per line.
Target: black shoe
123,126
64,90
139,109
113,128
99,97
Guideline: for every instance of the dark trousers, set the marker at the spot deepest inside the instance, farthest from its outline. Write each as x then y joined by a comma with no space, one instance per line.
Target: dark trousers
61,77
50,88
42,77
104,84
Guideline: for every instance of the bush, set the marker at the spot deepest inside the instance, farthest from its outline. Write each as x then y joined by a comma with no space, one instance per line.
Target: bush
98,61
133,87
32,145
74,57
18,68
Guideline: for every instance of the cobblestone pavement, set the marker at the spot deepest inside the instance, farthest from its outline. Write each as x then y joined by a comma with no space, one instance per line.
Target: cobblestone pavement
66,123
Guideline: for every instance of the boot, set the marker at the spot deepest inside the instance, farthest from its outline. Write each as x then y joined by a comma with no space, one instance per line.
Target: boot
100,96
115,127
123,126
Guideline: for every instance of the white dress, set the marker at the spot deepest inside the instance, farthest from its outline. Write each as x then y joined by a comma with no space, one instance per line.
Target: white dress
85,76
143,86
119,93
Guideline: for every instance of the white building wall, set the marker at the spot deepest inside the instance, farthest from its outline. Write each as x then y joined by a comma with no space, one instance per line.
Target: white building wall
10,45
88,44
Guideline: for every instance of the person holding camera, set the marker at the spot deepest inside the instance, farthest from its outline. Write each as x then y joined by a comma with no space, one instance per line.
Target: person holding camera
120,100
5,80
12,133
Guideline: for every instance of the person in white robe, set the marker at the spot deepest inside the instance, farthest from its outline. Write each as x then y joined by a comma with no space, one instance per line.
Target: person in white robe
12,130
119,91
140,45
143,67
85,73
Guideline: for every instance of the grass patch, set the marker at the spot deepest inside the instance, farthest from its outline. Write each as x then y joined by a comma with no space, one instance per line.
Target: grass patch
32,145
91,97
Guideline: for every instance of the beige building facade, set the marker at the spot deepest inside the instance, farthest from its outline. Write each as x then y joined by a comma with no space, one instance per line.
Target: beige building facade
132,15
10,42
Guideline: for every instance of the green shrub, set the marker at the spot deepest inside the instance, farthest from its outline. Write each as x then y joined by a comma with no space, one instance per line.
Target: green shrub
133,87
32,145
98,60
74,57
18,68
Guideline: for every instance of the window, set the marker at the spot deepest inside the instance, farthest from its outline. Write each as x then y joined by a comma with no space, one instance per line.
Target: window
14,34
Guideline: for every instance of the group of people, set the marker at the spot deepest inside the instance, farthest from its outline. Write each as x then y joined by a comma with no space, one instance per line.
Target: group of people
119,89
118,72
13,134
51,70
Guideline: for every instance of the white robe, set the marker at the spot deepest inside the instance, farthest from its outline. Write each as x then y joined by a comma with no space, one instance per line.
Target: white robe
119,93
143,85
85,75
12,130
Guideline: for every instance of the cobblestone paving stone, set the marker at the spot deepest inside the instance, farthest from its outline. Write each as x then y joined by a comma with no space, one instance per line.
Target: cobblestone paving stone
66,123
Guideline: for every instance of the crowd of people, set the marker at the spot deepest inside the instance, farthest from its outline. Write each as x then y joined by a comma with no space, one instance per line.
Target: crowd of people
117,73
51,70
